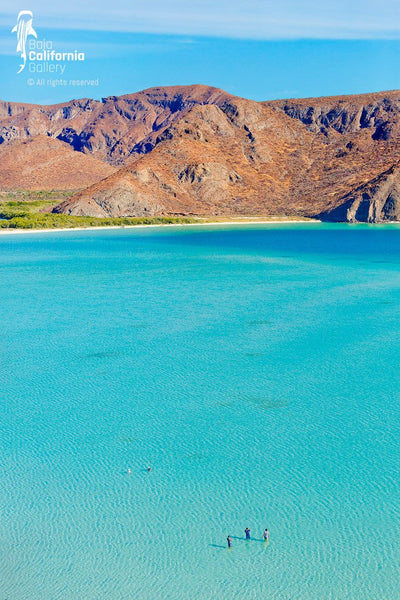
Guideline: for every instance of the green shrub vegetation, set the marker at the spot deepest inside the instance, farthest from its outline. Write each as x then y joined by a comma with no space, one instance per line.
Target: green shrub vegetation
30,210
23,209
50,220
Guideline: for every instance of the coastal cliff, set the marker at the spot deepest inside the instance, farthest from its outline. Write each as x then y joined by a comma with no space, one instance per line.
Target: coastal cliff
376,201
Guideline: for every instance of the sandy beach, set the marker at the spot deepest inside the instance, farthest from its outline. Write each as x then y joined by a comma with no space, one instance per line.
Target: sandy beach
13,231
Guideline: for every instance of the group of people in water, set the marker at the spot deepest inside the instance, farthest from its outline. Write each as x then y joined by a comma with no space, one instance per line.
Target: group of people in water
247,532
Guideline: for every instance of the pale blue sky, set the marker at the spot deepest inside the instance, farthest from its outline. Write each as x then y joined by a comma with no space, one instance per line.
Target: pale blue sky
258,49
255,19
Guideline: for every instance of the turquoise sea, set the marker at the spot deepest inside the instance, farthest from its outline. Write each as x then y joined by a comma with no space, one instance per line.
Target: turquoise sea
255,369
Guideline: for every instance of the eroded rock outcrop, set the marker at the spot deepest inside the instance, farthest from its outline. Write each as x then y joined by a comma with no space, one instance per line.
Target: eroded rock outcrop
376,201
379,113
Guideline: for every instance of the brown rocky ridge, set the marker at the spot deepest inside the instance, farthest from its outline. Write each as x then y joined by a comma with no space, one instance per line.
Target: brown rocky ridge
197,150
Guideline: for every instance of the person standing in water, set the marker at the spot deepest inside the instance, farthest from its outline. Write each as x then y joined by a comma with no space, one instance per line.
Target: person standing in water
229,540
247,532
266,535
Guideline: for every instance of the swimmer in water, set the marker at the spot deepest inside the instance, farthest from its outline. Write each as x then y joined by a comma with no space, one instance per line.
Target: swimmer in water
229,540
129,471
247,532
149,469
266,535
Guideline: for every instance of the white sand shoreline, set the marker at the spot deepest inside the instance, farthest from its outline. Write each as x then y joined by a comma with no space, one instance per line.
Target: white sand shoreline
16,231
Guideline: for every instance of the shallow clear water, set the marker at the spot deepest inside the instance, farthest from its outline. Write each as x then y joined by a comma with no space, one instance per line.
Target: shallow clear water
255,370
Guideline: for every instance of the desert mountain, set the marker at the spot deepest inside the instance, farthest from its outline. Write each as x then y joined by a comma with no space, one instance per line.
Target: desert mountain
197,150
112,129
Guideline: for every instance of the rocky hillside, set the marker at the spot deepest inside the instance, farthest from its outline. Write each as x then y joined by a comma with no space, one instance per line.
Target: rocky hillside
197,150
376,201
378,112
44,163
112,129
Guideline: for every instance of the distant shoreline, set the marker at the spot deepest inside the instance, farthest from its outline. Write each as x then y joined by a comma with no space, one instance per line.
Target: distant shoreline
16,231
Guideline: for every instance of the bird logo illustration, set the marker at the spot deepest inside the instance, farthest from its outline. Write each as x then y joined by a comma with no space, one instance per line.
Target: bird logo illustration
23,28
